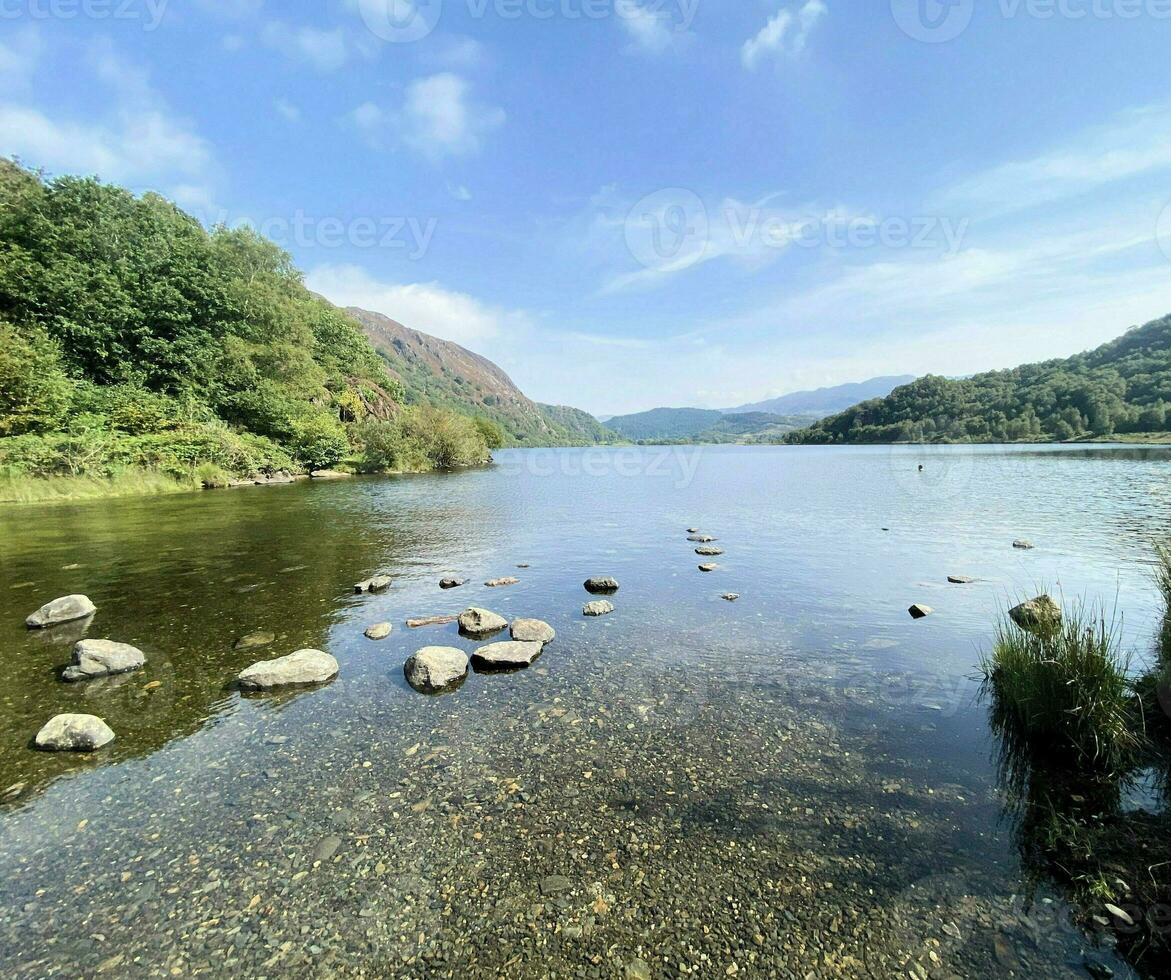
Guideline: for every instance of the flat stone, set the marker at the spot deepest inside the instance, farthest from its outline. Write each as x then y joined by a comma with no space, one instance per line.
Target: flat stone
102,658
379,631
709,567
497,583
63,610
300,669
74,733
254,641
435,669
701,538
510,653
532,631
329,475
598,608
960,580
326,849
452,583
430,621
1023,545
602,585
730,596
919,611
478,623
555,885
709,552
379,583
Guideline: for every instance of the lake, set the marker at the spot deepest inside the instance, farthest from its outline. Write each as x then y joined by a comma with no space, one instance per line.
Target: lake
799,783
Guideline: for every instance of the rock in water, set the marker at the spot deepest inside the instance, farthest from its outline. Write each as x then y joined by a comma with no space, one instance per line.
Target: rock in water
601,586
693,530
74,733
599,608
101,658
701,538
496,583
435,669
1039,616
708,568
532,631
960,580
730,596
1022,545
379,583
298,669
379,631
421,621
63,610
254,641
709,552
919,611
510,654
452,583
478,623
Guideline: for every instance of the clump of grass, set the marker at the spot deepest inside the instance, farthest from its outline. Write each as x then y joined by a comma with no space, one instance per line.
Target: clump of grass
1163,578
1064,692
24,489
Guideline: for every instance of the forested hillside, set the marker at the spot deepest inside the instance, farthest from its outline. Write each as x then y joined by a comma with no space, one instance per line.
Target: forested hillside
133,339
1119,389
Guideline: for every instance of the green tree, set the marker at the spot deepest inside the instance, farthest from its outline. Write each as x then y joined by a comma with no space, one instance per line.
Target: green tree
319,442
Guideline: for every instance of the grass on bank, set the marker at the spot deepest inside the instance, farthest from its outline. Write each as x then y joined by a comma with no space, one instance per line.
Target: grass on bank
24,489
1065,691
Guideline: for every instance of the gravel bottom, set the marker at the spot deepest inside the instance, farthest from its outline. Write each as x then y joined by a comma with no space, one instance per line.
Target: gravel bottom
665,828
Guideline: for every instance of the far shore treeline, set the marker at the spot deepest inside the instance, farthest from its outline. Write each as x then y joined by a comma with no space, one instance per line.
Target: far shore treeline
137,346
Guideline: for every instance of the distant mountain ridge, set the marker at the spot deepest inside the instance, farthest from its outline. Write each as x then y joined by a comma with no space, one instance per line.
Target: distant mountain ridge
827,401
703,425
445,375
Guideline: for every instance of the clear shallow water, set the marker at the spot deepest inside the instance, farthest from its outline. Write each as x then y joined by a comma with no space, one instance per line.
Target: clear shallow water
800,781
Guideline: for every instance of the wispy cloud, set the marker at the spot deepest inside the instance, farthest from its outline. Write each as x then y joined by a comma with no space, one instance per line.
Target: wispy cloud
326,51
438,118
786,34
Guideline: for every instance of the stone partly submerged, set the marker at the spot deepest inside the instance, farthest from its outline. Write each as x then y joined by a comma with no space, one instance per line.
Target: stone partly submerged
419,622
508,655
74,733
1021,544
532,631
701,538
253,641
598,608
710,567
498,583
960,579
301,669
920,611
434,670
478,623
601,585
379,631
64,610
379,583
102,658
1039,616
730,596
452,583
709,552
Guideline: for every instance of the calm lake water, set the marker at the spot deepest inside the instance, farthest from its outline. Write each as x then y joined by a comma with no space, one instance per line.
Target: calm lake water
800,783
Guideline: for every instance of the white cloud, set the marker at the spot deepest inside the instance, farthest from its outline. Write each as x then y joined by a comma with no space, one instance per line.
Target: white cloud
459,191
784,35
437,119
325,51
18,58
139,142
231,43
287,109
422,306
650,30
1135,142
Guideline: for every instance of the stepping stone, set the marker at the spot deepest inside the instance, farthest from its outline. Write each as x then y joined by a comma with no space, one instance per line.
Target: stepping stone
599,608
602,585
532,631
379,583
919,611
430,621
506,655
452,583
74,733
64,610
433,670
496,583
379,631
960,580
478,623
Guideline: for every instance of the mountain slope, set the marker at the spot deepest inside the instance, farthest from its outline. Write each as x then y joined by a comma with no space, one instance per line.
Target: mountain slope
445,375
826,401
1122,388
702,425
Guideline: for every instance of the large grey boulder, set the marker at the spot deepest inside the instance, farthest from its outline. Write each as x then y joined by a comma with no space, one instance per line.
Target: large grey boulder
298,669
63,610
101,658
602,585
74,733
598,608
478,623
1040,616
506,655
435,669
532,631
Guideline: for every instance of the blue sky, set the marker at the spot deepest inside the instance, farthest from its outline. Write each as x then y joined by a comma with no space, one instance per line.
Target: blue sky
631,203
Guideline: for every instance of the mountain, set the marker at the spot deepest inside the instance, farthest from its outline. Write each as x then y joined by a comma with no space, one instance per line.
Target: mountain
703,425
826,401
445,375
1120,388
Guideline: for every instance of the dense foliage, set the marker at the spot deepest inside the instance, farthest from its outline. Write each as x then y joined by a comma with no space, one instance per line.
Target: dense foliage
699,425
132,337
1120,388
